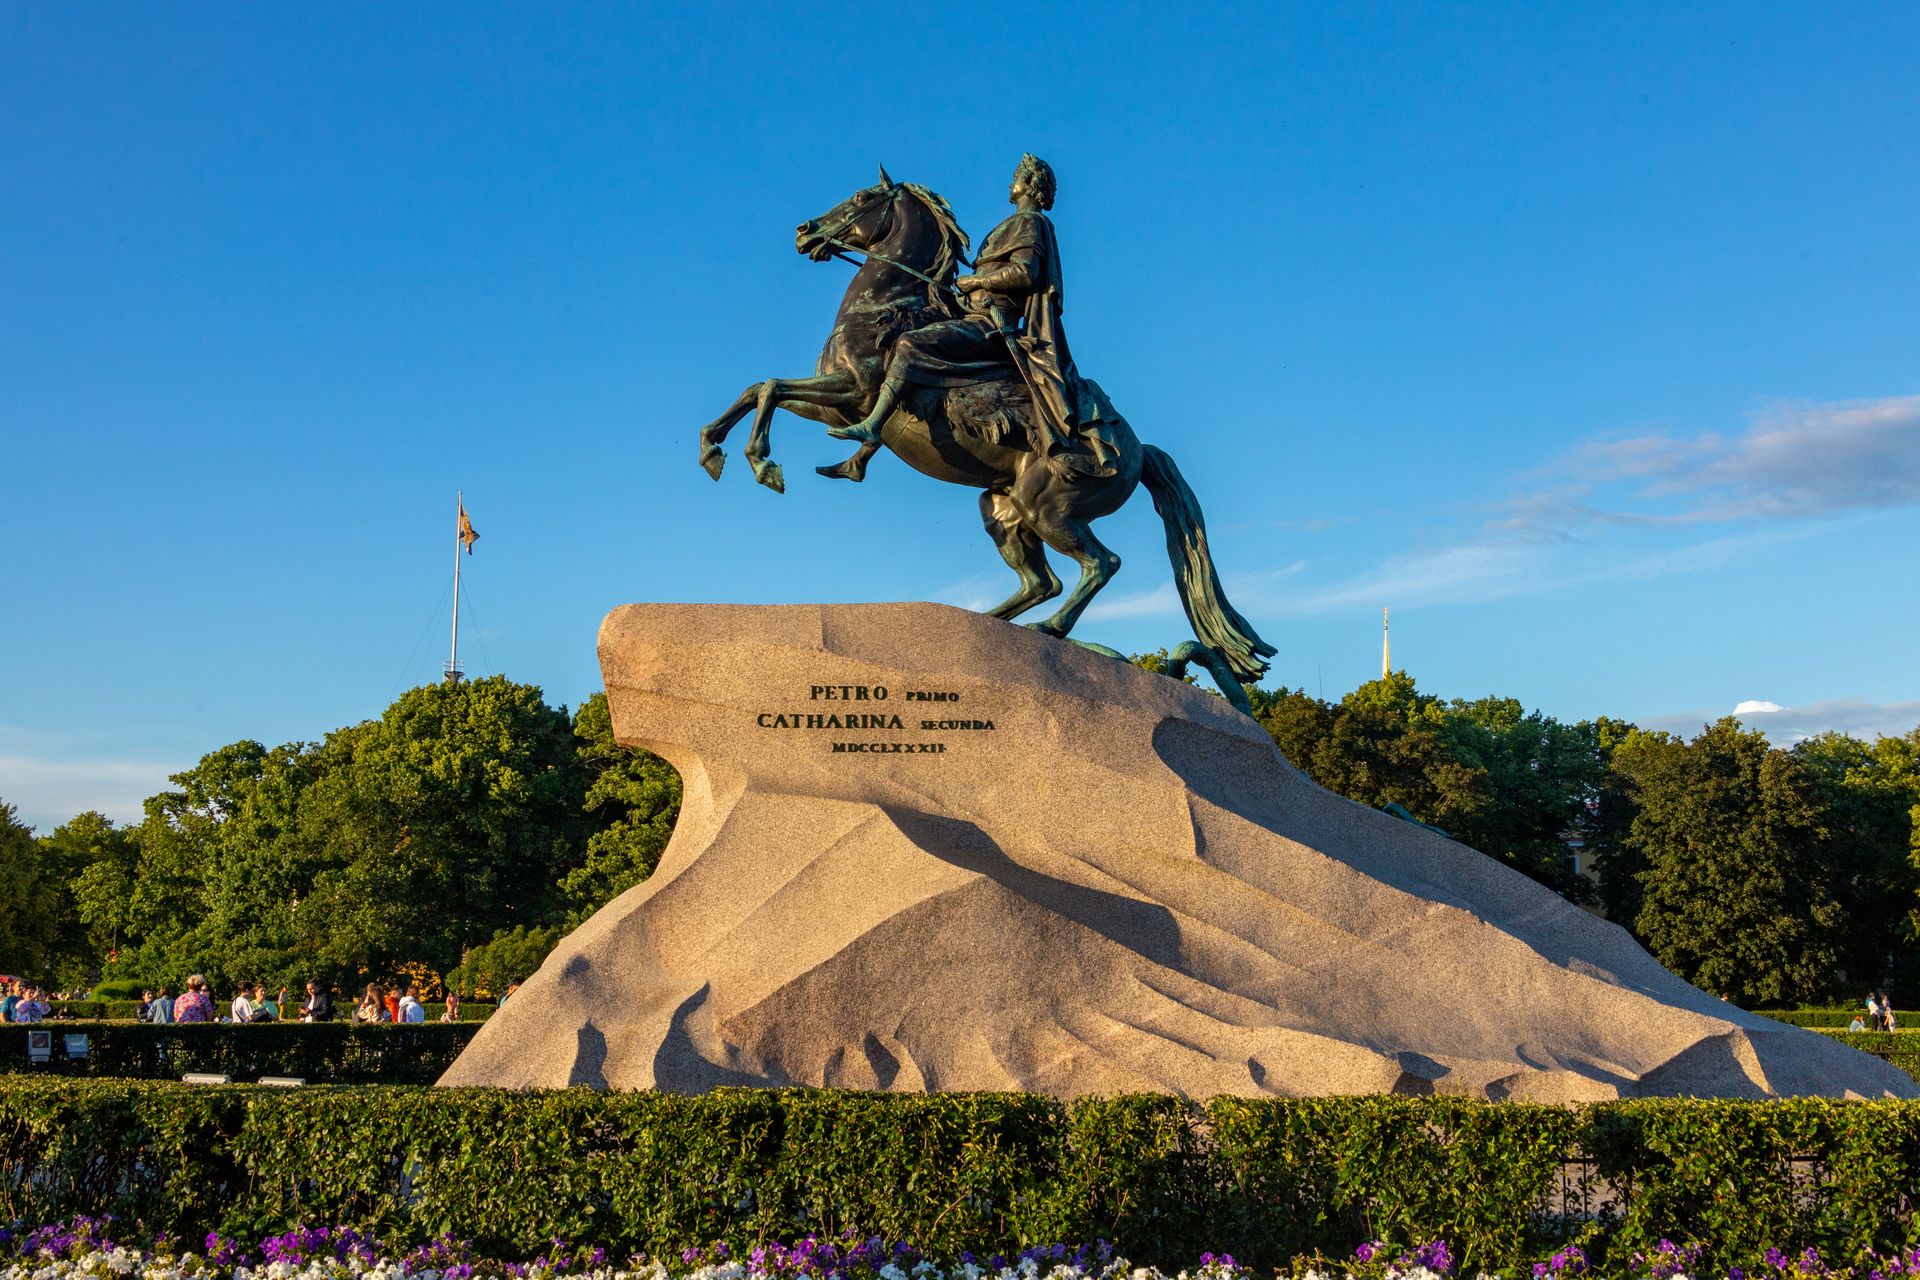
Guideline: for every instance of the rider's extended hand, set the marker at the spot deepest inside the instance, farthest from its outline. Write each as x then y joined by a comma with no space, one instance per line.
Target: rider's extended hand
966,284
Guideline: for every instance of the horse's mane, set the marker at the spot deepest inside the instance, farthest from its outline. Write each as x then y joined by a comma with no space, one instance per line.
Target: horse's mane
953,246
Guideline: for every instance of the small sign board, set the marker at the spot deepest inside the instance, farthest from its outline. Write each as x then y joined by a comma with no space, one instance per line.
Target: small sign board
39,1046
76,1046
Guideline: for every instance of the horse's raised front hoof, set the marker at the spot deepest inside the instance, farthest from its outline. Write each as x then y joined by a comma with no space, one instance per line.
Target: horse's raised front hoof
852,469
769,474
713,460
1047,628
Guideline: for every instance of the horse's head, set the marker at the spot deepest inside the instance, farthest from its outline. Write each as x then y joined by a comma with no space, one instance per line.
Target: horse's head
916,225
860,221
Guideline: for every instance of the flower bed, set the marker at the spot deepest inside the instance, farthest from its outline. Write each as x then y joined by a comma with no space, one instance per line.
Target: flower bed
1273,1181
85,1249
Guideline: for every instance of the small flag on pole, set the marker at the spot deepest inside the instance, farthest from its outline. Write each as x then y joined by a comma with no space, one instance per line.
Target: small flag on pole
467,535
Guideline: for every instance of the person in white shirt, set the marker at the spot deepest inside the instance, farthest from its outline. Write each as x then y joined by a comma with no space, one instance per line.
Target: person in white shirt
411,1010
30,1007
242,1007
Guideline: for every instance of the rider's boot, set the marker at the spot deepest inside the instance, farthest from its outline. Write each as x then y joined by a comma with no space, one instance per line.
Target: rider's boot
867,430
854,468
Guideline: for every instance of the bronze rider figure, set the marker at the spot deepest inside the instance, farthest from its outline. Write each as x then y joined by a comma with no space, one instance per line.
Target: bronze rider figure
1012,306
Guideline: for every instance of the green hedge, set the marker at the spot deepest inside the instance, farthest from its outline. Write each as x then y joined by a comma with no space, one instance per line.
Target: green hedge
1267,1180
1899,1048
327,1052
1825,1019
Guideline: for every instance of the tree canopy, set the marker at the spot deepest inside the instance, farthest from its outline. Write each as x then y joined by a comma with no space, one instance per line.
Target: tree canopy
471,825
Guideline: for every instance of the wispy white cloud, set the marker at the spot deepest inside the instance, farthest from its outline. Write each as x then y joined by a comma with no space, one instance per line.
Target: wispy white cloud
1785,726
1162,601
1258,591
978,592
1562,527
1794,461
47,792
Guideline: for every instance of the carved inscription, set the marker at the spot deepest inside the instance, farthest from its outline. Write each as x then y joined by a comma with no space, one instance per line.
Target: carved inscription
812,719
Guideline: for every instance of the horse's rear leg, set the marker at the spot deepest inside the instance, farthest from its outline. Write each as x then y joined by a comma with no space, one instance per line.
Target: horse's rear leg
1098,564
1021,550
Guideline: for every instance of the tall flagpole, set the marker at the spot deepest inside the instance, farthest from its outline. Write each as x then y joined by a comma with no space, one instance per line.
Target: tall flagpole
453,656
1386,651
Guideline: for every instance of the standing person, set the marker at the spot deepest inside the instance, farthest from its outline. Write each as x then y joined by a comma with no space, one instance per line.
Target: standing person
371,1007
242,1008
8,1002
392,1003
409,1007
194,1004
160,1012
30,1007
146,1003
1886,1012
319,1003
279,1004
452,1011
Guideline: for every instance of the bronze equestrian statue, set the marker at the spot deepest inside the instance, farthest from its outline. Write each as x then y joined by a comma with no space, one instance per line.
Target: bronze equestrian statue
971,382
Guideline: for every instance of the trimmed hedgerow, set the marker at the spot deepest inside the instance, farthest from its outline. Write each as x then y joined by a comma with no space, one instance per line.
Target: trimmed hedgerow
322,1053
1902,1049
1268,1180
1827,1019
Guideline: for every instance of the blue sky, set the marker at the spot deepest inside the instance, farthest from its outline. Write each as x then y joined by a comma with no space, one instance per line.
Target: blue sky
1583,336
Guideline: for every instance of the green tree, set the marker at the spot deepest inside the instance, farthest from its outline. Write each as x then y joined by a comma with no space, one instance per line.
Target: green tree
451,817
1542,784
1870,793
508,957
396,841
95,863
28,901
1382,744
634,800
1738,890
175,921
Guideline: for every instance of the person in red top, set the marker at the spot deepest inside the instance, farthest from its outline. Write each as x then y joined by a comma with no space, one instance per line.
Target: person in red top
393,1005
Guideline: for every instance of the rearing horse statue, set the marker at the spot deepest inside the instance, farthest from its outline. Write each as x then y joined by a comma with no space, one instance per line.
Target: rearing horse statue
976,433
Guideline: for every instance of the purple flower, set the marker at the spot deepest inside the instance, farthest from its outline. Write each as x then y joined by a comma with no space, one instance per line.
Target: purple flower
1432,1255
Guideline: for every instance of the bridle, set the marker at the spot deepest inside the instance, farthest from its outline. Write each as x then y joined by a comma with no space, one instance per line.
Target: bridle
844,251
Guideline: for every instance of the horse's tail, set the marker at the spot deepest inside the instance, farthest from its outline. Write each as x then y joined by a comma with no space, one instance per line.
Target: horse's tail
1215,622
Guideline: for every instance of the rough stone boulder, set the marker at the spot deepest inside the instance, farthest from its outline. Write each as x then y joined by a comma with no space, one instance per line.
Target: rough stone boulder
925,849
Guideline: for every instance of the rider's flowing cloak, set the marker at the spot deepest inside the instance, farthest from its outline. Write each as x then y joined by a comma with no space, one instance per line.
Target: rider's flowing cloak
1050,368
